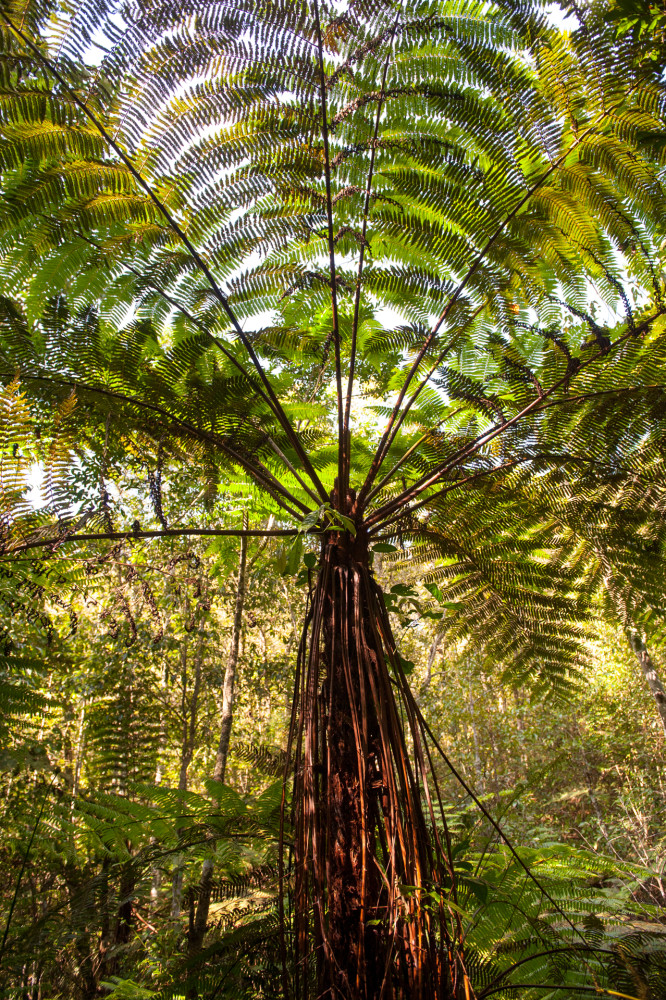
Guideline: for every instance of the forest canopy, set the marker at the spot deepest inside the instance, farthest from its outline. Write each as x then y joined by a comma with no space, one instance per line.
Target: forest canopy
332,509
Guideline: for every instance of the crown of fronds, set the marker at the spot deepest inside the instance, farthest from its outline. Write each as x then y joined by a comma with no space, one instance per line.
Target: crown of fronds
239,234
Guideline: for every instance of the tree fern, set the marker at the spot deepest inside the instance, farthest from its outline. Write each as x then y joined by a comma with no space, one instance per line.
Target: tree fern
175,173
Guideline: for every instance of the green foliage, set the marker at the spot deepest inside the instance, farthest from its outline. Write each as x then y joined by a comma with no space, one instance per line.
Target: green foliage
388,274
507,195
645,24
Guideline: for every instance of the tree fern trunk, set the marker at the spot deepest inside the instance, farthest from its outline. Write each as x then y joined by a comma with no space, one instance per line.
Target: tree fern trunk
350,747
364,853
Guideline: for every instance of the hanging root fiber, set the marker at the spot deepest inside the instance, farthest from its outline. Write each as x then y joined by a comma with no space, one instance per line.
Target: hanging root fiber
371,876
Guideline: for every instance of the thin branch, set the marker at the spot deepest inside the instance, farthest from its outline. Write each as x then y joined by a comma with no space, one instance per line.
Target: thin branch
370,46
194,253
540,954
342,443
599,990
227,353
24,862
426,728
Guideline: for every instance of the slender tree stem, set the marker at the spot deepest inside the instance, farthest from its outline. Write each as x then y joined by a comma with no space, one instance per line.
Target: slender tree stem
229,686
228,698
634,637
299,480
637,643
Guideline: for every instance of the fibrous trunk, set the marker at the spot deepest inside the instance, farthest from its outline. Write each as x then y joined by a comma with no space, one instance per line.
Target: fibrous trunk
368,865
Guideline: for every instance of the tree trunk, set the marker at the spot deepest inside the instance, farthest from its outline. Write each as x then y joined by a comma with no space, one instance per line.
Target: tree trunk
649,672
125,912
159,774
229,686
186,752
478,768
199,917
431,662
364,853
636,641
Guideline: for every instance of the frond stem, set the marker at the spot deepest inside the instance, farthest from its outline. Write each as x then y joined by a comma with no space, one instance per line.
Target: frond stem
278,451
493,432
179,231
403,458
361,257
342,443
598,990
162,533
540,954
382,525
424,381
379,456
258,472
192,319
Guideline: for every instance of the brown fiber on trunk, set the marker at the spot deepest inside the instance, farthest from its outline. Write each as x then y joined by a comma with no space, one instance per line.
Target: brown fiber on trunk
347,791
368,866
